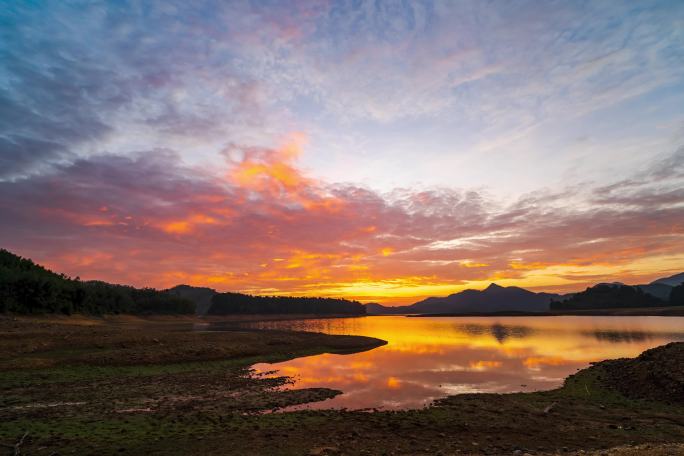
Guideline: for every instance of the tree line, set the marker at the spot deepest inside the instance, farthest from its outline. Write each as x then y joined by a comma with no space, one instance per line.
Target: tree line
238,303
28,288
608,296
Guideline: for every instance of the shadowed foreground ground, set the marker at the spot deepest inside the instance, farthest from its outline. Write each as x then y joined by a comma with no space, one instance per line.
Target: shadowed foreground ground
133,386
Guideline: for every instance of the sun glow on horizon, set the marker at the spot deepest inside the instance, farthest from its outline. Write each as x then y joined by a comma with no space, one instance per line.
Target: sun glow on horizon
310,279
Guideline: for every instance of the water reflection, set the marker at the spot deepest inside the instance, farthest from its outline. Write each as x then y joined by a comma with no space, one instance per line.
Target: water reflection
617,336
427,358
498,331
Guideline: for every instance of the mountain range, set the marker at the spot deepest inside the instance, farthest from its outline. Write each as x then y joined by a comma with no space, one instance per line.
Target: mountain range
26,287
494,298
672,281
661,288
499,299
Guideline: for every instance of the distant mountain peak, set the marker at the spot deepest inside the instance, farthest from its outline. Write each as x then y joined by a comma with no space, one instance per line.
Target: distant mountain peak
610,284
494,298
672,281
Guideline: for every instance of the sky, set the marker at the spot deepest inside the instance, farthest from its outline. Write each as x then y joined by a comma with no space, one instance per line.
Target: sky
375,150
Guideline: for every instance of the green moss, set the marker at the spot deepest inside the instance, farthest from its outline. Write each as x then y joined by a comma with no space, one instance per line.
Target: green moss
33,377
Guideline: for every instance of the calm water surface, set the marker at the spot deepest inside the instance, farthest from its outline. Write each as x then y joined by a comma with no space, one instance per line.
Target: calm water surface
429,358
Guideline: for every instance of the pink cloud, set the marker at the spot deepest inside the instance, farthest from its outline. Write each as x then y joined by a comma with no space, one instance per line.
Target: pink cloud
261,225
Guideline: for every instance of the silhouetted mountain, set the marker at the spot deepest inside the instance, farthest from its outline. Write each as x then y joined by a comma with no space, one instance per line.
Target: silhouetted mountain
608,296
662,288
201,296
492,299
373,308
237,303
496,299
677,296
26,287
672,281
659,290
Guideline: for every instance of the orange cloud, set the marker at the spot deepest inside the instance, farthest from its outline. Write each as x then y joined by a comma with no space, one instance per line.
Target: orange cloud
176,227
483,365
186,226
271,170
393,383
263,226
535,362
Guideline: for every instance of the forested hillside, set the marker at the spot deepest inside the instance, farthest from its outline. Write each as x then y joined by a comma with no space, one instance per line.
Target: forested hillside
237,303
607,296
28,288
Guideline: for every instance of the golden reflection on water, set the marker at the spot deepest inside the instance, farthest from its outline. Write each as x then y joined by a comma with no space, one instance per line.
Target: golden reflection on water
427,358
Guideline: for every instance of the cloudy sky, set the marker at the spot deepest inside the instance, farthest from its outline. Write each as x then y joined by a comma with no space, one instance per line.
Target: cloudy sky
378,150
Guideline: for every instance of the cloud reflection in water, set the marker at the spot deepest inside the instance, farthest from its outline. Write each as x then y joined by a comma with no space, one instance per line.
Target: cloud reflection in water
428,358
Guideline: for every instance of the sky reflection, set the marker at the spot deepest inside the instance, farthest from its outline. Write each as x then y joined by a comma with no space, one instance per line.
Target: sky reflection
428,358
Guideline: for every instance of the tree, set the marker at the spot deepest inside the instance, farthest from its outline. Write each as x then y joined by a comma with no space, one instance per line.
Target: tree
27,288
237,303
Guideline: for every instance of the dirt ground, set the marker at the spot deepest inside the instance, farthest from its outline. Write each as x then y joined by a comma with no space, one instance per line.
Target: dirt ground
135,386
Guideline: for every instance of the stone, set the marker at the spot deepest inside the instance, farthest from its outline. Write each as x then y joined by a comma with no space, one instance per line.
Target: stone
320,451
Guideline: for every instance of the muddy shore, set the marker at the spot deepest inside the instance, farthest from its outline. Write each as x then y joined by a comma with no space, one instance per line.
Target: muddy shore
134,386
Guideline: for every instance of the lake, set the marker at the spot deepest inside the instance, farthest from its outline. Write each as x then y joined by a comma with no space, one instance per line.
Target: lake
431,357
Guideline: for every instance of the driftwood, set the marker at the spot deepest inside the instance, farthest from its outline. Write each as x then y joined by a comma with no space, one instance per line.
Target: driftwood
17,446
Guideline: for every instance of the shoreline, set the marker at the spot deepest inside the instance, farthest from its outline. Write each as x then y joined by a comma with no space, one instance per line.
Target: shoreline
113,387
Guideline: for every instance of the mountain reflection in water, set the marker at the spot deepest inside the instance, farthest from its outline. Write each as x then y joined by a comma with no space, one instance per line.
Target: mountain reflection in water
427,358
498,331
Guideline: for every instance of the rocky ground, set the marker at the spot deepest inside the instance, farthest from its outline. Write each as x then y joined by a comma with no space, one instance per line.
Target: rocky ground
132,386
656,375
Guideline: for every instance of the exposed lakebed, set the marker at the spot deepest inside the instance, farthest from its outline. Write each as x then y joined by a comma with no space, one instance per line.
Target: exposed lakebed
156,386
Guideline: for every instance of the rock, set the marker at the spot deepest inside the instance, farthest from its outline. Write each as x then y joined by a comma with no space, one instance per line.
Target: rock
323,451
634,378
